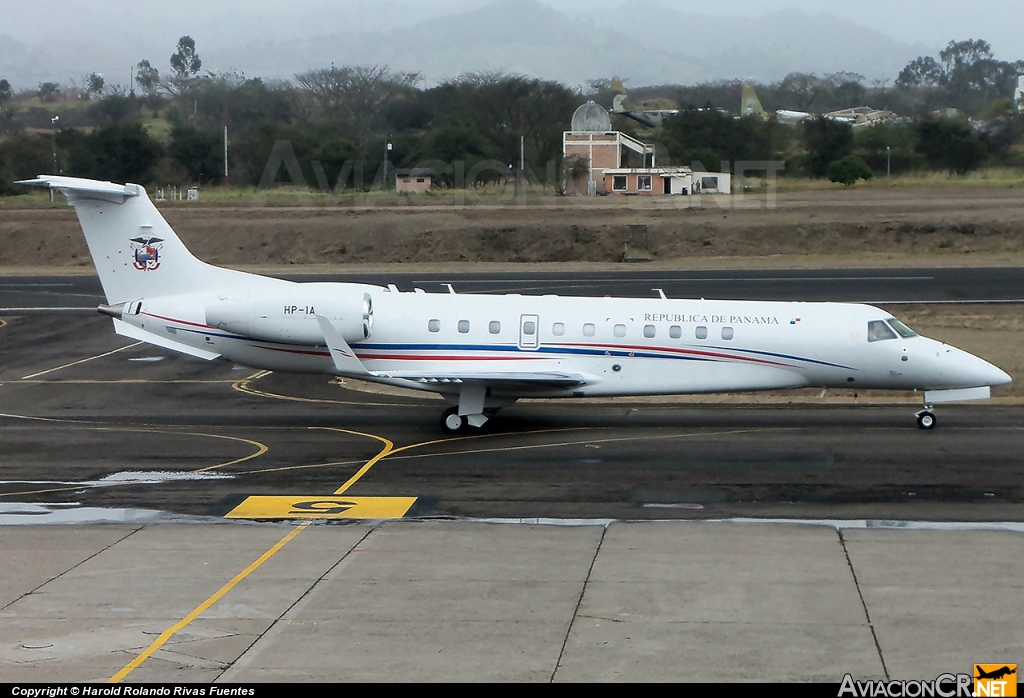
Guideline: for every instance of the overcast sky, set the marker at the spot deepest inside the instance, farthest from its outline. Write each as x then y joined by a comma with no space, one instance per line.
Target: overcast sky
127,31
932,22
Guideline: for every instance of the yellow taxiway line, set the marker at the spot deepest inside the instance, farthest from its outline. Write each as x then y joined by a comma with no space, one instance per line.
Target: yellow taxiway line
198,610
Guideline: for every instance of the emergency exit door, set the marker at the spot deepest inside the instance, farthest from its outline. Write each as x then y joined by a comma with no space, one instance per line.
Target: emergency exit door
529,329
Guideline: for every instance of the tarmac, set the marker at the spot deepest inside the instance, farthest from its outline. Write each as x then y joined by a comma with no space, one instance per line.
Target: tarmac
461,601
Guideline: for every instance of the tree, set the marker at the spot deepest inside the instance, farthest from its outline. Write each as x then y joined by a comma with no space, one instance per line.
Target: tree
94,85
359,94
801,89
49,91
199,152
848,170
966,76
887,146
119,153
826,141
923,71
116,106
147,77
6,93
950,145
23,156
185,63
708,136
502,108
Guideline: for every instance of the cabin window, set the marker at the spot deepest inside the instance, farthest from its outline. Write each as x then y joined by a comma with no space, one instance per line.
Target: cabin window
463,326
620,330
619,182
529,327
558,329
649,331
878,331
589,329
701,333
675,332
494,327
643,182
727,333
902,329
434,325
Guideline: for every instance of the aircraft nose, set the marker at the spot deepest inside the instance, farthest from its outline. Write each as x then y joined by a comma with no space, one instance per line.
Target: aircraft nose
997,376
975,371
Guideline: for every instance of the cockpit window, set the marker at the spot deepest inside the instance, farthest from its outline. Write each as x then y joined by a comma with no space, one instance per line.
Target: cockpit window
878,330
902,329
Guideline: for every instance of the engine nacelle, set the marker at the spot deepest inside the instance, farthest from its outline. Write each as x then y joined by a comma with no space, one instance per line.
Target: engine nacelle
291,317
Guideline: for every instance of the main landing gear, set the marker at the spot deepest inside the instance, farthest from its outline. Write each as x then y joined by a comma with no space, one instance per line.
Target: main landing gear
926,418
454,423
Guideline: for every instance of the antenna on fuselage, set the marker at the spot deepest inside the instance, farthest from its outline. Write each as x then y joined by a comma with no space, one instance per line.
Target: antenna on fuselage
450,289
661,293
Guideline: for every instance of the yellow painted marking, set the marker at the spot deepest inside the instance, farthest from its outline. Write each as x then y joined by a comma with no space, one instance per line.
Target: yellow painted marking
80,361
243,386
580,442
260,450
3,323
297,467
417,445
198,610
388,447
321,507
76,381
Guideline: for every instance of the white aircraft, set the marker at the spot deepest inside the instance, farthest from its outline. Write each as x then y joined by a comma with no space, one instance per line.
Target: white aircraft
483,352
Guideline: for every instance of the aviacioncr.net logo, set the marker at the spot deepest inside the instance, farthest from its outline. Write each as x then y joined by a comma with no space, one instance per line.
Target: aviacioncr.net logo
943,686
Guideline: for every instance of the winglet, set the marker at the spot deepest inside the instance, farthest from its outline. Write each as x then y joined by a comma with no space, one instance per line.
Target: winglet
345,360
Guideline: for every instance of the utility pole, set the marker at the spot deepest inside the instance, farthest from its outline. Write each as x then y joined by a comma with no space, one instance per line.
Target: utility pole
54,121
888,161
387,153
225,153
522,168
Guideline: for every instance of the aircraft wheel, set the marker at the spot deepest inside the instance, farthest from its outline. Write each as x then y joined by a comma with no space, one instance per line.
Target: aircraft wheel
926,419
452,422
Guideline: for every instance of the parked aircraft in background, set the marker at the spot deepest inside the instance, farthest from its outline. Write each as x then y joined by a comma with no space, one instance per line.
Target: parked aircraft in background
647,117
750,105
483,352
856,117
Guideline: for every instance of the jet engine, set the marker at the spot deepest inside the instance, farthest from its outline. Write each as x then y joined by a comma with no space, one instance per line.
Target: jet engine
291,317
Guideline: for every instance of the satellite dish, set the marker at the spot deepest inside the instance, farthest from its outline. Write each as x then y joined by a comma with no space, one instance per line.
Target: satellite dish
591,118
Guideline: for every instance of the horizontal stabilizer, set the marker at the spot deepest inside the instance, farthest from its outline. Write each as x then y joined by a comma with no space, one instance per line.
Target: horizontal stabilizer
100,190
345,360
133,332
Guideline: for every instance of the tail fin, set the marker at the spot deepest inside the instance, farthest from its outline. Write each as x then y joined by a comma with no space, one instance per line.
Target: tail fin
136,253
750,104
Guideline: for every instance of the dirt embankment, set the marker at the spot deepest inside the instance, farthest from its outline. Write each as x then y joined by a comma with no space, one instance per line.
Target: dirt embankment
946,225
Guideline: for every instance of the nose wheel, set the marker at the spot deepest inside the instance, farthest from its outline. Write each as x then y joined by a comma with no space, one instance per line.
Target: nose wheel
926,419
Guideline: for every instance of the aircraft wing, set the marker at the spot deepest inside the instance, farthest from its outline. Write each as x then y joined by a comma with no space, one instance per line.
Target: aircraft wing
348,364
